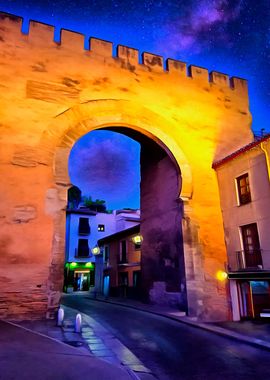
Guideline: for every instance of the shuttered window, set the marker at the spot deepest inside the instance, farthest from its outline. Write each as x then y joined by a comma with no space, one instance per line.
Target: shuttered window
243,189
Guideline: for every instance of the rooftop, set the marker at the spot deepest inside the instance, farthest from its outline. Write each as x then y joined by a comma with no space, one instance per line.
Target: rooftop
120,234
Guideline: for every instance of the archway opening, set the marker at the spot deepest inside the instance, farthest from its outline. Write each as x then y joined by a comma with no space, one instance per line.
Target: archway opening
130,251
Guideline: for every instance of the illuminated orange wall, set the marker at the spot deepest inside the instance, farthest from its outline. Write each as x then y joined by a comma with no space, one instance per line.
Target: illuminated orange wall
52,94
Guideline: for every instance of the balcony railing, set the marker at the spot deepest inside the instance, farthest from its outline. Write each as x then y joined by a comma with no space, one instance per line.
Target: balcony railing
249,259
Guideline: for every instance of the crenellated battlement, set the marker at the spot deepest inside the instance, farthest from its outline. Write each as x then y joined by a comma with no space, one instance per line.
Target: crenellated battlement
58,85
46,35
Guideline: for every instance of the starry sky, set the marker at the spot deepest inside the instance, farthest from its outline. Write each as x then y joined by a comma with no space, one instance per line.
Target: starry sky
111,164
223,35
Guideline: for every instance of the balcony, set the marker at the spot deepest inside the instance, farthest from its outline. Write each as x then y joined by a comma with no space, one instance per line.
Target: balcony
249,260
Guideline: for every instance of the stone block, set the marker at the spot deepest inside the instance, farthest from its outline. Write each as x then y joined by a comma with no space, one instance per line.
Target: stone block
153,62
24,214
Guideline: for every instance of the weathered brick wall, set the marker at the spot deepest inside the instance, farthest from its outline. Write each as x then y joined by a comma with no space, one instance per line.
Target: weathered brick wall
52,94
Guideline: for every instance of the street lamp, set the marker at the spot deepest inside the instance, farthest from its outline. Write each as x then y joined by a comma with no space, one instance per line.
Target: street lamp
137,239
221,275
95,250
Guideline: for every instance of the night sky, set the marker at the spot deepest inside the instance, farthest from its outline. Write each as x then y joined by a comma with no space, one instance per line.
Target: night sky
227,36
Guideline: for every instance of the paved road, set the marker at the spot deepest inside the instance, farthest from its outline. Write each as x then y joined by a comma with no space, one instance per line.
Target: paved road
175,351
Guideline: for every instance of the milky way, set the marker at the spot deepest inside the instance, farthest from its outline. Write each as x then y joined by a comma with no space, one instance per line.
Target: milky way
222,35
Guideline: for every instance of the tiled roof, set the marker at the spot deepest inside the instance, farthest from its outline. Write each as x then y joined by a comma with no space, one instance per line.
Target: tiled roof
120,234
237,153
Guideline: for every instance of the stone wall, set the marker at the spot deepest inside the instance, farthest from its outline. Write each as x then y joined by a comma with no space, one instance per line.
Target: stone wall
51,95
163,268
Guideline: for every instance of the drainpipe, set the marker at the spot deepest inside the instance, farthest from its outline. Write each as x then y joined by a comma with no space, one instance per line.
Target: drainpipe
266,158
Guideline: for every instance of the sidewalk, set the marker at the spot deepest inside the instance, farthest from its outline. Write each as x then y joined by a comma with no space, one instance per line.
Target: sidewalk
106,346
255,333
25,355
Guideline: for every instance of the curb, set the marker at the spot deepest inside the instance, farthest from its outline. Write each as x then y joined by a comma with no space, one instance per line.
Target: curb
132,374
210,328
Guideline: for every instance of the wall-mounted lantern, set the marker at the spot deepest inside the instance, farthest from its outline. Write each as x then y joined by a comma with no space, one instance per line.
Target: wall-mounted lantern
95,250
137,239
221,275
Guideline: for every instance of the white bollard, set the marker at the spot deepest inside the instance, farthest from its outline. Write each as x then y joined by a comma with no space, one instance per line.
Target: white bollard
60,316
78,323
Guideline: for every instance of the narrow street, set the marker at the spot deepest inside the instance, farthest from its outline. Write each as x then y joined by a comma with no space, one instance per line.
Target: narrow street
175,351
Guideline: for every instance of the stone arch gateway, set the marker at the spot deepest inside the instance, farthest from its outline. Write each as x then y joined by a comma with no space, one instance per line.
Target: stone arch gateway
53,93
60,141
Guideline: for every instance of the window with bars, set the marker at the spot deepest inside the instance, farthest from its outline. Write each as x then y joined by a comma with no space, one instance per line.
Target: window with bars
243,188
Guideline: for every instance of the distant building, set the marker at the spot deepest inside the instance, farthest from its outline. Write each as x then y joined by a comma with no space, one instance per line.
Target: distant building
119,263
243,179
84,228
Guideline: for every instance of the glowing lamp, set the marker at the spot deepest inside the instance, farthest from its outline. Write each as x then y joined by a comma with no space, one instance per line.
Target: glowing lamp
89,265
221,275
96,251
73,264
137,239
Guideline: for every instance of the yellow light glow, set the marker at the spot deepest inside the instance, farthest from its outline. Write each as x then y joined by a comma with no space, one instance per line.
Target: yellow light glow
137,239
89,264
73,264
221,275
96,251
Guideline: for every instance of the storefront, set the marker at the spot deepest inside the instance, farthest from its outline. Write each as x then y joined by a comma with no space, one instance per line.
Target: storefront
252,294
79,276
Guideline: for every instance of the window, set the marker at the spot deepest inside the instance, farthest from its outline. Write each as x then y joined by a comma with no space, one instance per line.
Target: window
250,237
84,228
243,188
123,251
251,245
106,253
123,279
137,279
101,227
83,248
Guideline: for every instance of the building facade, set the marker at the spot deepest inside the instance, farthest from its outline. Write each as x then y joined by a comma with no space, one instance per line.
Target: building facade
244,188
119,266
84,228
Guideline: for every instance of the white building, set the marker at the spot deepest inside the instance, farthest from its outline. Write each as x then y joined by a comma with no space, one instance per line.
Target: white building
83,229
244,187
